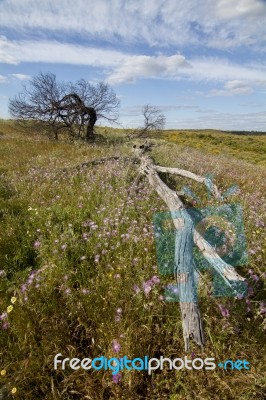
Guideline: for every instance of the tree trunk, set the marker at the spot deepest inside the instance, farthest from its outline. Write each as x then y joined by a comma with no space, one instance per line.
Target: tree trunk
91,123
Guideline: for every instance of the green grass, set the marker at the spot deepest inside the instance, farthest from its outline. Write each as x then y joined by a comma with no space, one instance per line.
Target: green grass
251,148
75,246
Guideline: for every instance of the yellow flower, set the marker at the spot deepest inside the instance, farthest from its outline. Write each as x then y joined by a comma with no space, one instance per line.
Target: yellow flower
13,391
13,300
9,308
3,372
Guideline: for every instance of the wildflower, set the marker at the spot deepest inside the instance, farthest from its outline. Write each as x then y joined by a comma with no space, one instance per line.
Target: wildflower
14,390
3,372
155,279
3,316
161,298
116,377
6,325
36,244
9,308
2,272
83,258
254,277
13,300
67,291
96,259
116,346
224,311
250,291
64,246
147,287
117,276
250,271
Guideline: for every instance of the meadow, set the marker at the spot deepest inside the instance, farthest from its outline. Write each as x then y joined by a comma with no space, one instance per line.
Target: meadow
79,273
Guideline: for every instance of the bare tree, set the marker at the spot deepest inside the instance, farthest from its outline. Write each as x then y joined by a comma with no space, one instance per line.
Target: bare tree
154,120
72,107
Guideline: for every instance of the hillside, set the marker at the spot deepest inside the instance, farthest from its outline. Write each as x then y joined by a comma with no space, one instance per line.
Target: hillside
79,273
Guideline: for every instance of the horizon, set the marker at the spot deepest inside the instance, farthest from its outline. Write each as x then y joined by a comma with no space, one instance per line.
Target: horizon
201,63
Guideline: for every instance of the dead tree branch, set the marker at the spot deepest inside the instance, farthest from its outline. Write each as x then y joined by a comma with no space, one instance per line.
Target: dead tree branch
184,272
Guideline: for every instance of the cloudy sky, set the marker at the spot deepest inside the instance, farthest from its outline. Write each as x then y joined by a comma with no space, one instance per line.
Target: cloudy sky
202,62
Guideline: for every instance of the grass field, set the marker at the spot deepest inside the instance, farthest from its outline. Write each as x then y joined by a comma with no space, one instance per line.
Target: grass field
79,274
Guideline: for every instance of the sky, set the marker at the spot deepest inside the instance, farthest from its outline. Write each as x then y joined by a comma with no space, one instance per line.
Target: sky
201,62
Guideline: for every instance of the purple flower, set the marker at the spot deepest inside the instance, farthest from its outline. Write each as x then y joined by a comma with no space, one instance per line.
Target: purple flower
116,346
250,271
96,259
36,244
6,325
3,316
250,291
155,279
224,311
117,377
254,277
147,287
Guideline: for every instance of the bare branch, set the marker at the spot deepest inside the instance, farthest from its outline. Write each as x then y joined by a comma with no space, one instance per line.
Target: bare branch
72,107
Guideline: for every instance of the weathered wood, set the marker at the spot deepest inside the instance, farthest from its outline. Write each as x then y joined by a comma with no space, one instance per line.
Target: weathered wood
184,272
213,188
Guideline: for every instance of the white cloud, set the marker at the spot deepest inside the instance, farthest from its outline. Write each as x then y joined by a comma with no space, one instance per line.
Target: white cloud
15,52
120,67
248,8
239,78
134,67
2,79
213,23
21,77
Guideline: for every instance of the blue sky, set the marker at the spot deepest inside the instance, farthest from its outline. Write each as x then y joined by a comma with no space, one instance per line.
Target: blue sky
202,62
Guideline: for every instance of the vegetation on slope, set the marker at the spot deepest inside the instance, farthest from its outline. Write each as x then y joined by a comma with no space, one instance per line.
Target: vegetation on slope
79,274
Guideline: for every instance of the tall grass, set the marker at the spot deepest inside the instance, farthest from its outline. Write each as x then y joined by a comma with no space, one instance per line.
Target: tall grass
79,270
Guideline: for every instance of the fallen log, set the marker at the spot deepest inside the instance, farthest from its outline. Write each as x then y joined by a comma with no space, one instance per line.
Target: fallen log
184,268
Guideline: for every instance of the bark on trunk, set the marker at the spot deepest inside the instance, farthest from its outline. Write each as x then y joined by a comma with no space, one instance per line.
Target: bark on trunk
91,123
